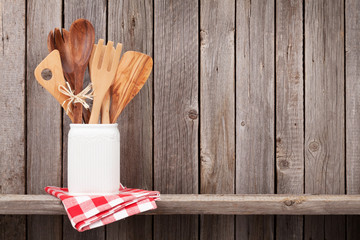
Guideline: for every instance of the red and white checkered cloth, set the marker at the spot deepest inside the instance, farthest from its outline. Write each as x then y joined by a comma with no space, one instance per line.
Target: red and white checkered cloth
90,211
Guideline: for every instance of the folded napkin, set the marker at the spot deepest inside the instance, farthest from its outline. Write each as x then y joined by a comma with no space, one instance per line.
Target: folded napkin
90,211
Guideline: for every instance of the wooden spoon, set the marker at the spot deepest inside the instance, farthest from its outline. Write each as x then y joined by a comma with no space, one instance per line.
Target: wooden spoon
75,49
131,75
65,60
53,63
102,74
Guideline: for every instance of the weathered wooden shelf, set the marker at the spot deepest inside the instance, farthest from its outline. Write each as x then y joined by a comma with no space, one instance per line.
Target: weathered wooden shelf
228,204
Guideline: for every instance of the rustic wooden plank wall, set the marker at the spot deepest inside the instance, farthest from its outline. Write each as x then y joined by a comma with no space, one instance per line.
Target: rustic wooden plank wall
12,130
255,113
289,110
352,73
245,97
44,124
324,111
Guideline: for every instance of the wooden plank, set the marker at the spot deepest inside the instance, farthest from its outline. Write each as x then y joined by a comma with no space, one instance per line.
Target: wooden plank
228,204
352,30
217,94
324,111
43,118
95,12
12,118
176,110
255,110
131,23
289,111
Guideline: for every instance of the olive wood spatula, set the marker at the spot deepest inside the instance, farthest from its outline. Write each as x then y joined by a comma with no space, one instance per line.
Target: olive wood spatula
133,71
53,63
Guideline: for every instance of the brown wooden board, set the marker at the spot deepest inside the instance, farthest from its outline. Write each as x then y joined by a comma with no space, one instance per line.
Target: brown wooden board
176,110
219,204
12,108
95,12
289,111
43,118
217,114
352,50
255,113
131,23
324,111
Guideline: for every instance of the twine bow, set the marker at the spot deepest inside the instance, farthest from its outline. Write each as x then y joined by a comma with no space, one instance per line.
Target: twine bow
86,93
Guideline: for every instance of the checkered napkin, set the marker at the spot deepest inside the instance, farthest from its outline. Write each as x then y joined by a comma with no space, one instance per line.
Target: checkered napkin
90,211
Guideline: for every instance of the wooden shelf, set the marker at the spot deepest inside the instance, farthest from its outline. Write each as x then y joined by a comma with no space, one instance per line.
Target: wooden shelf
228,204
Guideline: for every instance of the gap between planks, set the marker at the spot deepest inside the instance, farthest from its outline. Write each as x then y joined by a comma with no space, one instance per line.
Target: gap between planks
221,204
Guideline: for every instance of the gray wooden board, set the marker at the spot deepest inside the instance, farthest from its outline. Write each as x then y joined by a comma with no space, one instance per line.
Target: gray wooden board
289,111
131,23
43,118
352,30
217,94
12,118
176,110
324,111
255,111
95,12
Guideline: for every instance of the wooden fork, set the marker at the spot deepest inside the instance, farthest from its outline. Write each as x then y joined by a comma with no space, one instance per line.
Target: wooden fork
102,74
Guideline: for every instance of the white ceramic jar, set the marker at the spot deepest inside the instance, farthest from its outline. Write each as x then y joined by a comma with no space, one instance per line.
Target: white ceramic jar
93,159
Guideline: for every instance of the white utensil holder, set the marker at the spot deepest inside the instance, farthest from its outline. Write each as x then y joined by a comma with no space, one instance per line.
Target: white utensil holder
93,159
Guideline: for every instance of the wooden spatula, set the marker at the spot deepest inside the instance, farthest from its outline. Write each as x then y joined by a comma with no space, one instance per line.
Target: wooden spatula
102,74
131,75
53,63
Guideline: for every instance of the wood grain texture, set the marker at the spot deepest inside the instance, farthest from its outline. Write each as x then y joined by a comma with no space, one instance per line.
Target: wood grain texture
176,110
12,118
217,122
95,12
324,111
43,118
228,204
255,110
131,23
289,111
352,29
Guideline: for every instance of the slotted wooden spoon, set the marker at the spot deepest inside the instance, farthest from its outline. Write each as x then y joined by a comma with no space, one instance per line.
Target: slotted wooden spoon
75,48
131,75
53,63
103,69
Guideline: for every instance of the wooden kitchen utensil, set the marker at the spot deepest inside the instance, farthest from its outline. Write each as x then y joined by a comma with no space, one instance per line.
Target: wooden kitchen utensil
131,75
102,74
75,48
53,63
105,106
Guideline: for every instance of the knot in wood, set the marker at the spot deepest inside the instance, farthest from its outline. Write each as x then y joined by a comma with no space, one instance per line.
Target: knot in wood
193,114
284,164
314,146
242,123
289,202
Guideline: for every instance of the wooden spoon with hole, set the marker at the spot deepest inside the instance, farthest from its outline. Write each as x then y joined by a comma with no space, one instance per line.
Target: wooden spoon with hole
75,48
53,63
131,75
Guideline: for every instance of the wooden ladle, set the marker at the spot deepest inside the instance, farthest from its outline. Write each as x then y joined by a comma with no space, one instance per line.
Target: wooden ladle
131,75
75,48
